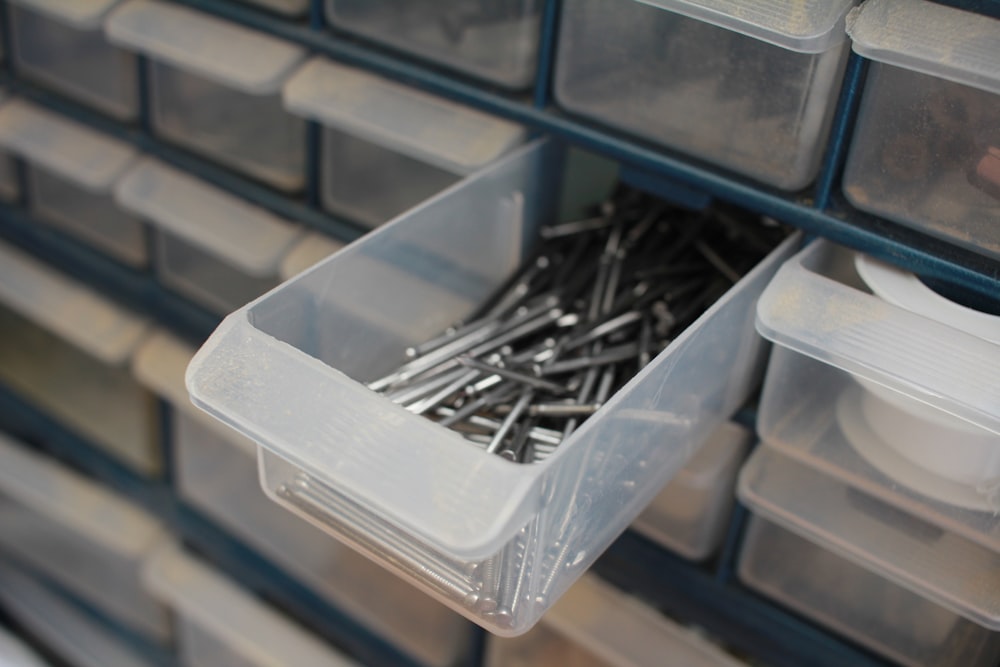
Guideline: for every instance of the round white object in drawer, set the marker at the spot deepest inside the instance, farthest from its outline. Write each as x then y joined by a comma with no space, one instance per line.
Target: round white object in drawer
945,445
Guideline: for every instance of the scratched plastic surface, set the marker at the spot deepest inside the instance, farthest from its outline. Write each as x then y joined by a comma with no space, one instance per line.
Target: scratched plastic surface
289,370
60,45
748,86
496,41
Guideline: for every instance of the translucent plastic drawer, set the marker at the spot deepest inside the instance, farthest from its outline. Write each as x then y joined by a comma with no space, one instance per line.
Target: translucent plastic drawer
690,515
289,371
67,631
595,625
215,470
748,86
66,349
926,148
60,45
496,41
71,170
291,8
79,534
896,405
215,88
387,147
211,246
310,249
859,604
222,625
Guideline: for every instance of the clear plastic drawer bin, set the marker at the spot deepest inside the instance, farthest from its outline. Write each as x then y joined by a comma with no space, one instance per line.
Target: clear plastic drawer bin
70,172
894,394
80,535
690,515
748,86
209,245
815,576
60,44
66,349
289,371
68,631
387,147
595,625
219,623
215,470
215,88
926,148
310,250
495,41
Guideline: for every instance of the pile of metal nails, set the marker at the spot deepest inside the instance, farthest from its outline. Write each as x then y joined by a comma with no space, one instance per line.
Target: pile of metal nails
599,299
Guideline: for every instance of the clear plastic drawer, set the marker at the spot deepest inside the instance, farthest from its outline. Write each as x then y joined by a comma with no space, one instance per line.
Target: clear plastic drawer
289,371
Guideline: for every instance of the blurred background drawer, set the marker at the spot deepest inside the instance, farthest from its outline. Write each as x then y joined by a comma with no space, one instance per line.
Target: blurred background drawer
215,88
60,45
79,534
66,349
66,630
70,173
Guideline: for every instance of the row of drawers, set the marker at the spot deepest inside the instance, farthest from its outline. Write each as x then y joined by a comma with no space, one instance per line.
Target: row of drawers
924,152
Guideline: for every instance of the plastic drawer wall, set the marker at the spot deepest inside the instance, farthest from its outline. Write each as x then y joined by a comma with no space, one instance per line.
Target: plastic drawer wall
388,494
76,61
863,606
